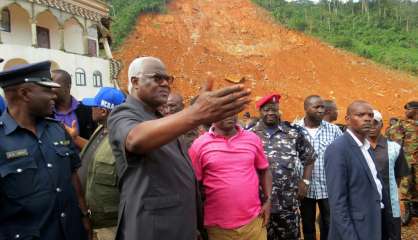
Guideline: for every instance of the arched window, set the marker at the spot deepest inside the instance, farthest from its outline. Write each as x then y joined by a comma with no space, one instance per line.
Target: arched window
97,79
80,77
5,20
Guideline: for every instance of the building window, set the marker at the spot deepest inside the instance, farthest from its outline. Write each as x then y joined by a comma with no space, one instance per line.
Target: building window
5,20
80,77
97,79
43,37
92,48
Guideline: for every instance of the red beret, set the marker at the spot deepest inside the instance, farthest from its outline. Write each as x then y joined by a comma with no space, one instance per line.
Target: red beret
269,98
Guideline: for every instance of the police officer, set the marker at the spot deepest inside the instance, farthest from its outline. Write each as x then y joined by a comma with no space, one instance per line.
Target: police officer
39,188
285,145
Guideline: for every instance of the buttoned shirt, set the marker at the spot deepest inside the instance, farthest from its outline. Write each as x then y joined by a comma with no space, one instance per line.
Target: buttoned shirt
284,148
323,137
38,200
364,147
157,187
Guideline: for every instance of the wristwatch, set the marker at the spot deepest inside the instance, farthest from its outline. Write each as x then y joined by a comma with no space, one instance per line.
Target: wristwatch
86,213
306,181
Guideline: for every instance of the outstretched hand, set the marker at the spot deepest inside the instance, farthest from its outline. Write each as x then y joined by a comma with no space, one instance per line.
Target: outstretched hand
215,105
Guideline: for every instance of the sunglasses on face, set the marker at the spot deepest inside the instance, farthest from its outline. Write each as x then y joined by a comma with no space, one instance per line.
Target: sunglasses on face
160,78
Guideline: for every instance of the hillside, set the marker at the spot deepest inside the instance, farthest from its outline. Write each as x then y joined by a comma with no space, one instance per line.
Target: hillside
235,38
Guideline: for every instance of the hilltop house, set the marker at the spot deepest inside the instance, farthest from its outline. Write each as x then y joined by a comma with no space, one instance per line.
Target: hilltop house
62,31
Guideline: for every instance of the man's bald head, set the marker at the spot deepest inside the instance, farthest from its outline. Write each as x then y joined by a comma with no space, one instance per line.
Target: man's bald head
310,100
359,118
175,103
147,65
354,106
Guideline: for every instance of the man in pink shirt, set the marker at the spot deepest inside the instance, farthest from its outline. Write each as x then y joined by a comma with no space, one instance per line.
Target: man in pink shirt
229,162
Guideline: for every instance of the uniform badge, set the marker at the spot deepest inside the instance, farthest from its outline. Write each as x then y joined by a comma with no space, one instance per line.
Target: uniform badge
62,143
17,154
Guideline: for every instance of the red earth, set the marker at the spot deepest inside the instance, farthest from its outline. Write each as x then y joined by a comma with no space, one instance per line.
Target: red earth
235,39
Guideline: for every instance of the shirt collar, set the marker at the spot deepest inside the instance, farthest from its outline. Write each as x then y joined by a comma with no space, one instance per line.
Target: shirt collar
366,143
142,105
11,125
73,107
261,127
214,134
301,123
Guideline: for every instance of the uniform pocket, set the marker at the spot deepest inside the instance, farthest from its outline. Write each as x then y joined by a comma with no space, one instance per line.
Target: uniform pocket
18,177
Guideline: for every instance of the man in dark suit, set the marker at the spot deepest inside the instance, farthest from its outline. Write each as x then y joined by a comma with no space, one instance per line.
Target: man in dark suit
354,187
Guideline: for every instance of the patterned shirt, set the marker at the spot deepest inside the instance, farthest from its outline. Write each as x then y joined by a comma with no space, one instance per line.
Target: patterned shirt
405,132
325,135
285,147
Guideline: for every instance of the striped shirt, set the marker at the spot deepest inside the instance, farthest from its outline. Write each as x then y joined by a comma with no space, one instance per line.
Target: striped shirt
323,137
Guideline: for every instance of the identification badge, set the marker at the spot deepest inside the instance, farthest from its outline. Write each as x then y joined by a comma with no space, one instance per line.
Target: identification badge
17,154
62,143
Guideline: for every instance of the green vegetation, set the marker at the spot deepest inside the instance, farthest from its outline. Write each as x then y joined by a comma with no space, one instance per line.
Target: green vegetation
125,13
383,30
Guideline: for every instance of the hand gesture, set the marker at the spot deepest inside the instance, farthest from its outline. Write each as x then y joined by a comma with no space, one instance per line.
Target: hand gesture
72,131
212,106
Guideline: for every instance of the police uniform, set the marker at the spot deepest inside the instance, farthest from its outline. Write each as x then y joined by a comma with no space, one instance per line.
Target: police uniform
285,147
38,200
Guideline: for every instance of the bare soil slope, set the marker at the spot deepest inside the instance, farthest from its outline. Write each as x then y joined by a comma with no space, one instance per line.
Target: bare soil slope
235,39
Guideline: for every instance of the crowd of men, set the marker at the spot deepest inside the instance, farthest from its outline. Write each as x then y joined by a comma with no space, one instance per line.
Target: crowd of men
145,166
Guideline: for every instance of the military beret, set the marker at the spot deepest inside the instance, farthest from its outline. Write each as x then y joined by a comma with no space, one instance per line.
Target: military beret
411,105
269,98
38,73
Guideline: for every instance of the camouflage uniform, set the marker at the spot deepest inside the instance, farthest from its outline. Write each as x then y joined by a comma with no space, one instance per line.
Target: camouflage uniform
284,148
405,132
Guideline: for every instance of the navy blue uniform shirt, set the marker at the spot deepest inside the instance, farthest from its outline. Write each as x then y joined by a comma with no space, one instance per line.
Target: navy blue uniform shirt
37,198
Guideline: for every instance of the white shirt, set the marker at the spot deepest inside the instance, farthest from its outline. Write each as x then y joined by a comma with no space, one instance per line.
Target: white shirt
312,131
364,147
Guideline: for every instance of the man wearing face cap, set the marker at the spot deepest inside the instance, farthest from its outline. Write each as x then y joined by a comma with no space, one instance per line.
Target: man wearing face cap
39,188
284,145
392,166
159,196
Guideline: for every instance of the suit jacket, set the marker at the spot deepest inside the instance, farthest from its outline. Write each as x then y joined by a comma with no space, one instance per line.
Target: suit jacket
353,196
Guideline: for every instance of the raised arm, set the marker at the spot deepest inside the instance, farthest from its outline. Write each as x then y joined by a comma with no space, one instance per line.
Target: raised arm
209,107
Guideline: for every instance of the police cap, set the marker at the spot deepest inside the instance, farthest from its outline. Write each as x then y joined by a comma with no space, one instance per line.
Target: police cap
411,105
38,73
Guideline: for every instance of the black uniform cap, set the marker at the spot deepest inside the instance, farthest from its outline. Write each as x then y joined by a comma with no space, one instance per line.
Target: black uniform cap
411,105
38,73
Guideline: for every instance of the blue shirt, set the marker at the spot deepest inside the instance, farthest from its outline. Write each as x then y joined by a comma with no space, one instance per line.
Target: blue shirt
37,197
68,117
325,135
2,105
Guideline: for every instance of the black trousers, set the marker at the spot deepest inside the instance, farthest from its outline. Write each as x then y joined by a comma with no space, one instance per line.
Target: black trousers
308,214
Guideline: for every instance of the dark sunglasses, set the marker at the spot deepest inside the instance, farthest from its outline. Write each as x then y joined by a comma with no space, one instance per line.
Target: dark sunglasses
160,78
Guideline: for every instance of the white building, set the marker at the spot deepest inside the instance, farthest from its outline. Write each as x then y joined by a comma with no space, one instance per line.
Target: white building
62,31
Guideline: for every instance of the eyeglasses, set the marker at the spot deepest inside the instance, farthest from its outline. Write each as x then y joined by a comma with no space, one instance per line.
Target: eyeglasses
160,78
